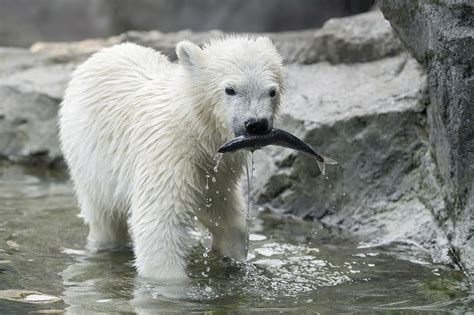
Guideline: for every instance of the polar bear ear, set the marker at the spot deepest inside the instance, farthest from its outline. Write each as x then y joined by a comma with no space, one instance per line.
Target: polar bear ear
190,55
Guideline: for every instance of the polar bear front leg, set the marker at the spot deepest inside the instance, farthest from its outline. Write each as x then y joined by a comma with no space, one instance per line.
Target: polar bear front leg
161,240
227,222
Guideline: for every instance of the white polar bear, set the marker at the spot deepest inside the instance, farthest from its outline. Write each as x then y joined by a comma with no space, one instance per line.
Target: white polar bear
139,134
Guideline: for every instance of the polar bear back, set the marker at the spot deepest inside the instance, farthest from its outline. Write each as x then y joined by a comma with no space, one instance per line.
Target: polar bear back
109,102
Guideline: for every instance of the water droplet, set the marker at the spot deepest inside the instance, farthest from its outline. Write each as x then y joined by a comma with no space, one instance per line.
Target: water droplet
225,198
195,218
217,192
208,269
205,262
228,189
207,182
213,179
204,254
217,224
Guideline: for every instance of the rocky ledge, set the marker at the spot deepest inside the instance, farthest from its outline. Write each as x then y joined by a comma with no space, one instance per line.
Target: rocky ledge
353,93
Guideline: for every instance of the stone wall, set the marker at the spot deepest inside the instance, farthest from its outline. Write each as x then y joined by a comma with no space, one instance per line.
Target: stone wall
440,35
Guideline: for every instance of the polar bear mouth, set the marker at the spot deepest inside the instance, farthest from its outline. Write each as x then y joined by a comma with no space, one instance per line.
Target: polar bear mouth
277,137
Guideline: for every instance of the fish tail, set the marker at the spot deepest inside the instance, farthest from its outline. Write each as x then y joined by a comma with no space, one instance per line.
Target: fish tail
322,164
329,160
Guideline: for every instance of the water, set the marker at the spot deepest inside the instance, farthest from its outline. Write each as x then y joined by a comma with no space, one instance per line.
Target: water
217,159
294,267
249,173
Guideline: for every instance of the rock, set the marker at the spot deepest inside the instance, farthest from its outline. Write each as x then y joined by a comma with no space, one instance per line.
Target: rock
440,34
233,15
28,296
371,117
359,38
22,21
31,87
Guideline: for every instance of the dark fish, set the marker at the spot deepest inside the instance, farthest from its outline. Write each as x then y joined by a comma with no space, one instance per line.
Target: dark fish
274,137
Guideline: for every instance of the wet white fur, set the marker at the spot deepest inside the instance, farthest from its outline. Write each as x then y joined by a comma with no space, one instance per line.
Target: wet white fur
139,134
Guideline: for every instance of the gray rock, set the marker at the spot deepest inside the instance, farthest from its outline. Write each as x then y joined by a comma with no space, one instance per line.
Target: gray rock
440,34
358,38
23,22
31,87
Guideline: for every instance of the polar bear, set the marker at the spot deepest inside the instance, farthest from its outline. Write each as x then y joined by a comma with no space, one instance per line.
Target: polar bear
139,134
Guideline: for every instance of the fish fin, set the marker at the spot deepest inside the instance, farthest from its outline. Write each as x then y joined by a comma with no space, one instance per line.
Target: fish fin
322,167
329,160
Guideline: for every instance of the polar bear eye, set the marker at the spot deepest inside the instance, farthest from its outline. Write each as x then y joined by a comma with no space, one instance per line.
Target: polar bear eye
272,93
229,91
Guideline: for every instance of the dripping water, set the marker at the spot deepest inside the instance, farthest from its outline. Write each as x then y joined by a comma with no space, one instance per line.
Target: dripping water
249,188
207,239
207,182
217,158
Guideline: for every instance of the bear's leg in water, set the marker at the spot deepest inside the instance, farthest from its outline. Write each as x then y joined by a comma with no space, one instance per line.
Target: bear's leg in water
226,220
107,228
160,232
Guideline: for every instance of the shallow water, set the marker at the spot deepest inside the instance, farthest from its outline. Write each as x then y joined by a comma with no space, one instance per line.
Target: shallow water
294,267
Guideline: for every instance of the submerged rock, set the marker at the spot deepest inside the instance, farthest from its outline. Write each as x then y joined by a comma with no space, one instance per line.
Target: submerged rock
28,296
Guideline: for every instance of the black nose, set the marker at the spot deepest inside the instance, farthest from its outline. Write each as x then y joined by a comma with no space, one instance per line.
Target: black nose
257,126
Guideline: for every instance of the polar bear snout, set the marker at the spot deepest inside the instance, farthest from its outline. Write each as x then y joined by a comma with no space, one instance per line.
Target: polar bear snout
258,126
252,125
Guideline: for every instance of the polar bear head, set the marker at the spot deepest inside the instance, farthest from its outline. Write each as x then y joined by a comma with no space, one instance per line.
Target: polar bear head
239,78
